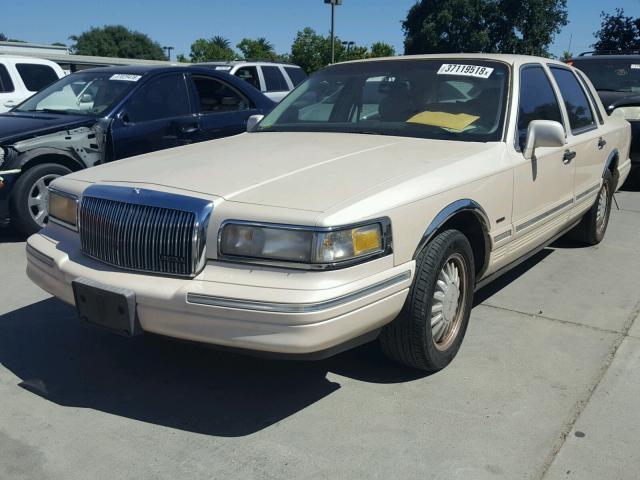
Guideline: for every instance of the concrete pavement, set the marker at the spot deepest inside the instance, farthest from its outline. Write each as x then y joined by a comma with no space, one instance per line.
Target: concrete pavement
546,385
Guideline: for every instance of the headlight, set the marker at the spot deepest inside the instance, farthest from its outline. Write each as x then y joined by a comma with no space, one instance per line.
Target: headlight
315,248
63,208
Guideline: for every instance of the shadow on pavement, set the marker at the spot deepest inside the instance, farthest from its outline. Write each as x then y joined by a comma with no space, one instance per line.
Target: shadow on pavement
164,382
10,235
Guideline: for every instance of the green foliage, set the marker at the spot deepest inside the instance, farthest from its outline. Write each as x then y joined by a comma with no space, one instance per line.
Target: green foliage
381,49
214,49
506,26
182,59
117,41
3,37
617,32
258,49
566,56
58,44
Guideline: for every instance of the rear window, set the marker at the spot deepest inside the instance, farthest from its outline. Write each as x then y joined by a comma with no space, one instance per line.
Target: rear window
274,80
296,75
36,77
575,100
6,85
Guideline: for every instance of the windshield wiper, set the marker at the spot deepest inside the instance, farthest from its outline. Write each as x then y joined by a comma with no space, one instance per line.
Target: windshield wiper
45,110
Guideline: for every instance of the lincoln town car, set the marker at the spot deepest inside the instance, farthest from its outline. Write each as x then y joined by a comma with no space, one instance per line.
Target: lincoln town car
371,203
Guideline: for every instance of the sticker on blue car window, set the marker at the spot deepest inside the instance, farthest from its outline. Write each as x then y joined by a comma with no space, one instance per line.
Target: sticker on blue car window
126,77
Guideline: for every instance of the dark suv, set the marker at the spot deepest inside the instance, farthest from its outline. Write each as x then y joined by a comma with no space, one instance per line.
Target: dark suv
617,80
106,114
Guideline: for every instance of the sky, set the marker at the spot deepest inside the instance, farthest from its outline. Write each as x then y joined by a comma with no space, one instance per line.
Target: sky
179,23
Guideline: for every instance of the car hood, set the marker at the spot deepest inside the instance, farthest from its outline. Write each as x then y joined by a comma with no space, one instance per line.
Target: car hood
305,171
16,126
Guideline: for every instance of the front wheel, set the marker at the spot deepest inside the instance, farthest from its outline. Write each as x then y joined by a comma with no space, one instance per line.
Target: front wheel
429,331
30,197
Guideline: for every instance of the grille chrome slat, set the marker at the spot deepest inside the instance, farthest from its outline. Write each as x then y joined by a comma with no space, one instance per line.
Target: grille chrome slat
144,230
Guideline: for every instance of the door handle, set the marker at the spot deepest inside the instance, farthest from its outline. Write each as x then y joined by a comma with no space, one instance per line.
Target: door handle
601,143
568,156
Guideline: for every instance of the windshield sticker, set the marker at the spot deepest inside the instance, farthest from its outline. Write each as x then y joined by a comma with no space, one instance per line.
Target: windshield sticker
465,70
635,66
456,122
126,77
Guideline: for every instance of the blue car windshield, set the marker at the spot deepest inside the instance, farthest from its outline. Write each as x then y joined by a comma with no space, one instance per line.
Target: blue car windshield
83,93
449,99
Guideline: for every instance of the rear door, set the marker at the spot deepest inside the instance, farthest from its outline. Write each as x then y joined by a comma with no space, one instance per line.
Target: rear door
157,116
584,146
543,185
8,88
222,110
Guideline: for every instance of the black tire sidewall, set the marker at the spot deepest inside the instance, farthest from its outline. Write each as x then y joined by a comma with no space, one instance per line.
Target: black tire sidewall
20,215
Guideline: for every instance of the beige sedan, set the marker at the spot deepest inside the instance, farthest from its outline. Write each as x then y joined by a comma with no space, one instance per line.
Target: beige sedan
370,203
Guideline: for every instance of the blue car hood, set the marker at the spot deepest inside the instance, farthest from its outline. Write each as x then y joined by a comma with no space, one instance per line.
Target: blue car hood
16,126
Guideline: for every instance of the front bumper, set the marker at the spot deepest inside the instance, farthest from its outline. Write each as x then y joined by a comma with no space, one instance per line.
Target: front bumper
268,310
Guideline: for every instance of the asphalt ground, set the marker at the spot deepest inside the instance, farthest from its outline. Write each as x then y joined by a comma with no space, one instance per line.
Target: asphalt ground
546,385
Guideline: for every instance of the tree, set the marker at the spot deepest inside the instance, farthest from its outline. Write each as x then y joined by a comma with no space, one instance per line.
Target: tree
382,49
182,59
215,49
506,26
117,41
58,44
3,37
259,49
311,51
617,33
566,56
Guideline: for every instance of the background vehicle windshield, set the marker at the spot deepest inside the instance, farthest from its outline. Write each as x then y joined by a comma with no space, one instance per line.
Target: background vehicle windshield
83,93
612,75
461,99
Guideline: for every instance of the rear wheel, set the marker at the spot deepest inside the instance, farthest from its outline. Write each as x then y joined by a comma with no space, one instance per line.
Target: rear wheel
30,197
429,331
594,224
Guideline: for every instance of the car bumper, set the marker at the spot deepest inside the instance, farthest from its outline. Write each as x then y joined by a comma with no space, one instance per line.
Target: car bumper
237,306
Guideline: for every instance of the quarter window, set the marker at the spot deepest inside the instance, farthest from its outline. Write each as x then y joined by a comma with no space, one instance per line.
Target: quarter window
274,80
36,77
537,100
249,75
575,100
218,97
6,85
593,99
164,97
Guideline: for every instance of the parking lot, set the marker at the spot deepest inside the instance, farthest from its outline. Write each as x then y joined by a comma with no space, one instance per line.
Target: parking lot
546,385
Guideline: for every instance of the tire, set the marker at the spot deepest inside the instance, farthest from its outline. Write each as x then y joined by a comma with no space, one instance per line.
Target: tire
593,225
416,338
29,198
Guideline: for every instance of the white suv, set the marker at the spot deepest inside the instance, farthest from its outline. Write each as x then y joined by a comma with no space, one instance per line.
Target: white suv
21,77
275,80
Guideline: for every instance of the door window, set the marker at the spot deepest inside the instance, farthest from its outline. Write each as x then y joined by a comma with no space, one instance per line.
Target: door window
296,75
164,97
249,75
537,100
274,80
216,96
6,85
575,100
36,77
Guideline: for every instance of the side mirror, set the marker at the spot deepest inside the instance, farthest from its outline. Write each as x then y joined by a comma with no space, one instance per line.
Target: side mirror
124,118
543,133
253,121
86,98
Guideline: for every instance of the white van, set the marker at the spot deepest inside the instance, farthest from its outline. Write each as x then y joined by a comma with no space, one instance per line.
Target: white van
275,80
21,77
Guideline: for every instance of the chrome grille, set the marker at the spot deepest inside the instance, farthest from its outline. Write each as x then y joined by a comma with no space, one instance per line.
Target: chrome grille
138,232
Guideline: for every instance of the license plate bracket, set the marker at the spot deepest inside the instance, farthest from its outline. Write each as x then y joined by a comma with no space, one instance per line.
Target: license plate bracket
105,306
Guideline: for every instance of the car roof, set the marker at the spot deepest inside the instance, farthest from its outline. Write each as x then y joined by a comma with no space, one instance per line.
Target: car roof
595,58
233,63
153,69
499,57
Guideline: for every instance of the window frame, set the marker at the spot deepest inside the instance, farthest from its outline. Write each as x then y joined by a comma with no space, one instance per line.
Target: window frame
581,130
196,95
11,82
556,94
123,104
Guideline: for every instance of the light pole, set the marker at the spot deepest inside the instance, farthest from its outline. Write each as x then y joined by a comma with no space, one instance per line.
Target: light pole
168,50
333,4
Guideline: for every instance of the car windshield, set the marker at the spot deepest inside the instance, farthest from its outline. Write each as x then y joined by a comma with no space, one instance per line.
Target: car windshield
461,99
612,75
85,93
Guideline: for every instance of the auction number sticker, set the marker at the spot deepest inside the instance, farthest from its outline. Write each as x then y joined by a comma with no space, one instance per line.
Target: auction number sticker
465,70
126,77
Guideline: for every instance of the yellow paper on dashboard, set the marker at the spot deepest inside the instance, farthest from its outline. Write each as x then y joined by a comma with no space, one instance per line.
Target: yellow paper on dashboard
458,121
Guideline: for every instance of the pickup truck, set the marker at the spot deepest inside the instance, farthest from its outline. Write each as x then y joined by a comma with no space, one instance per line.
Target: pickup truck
370,203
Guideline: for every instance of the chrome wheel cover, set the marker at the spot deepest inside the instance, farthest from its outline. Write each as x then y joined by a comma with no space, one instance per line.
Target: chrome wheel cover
447,305
602,211
38,199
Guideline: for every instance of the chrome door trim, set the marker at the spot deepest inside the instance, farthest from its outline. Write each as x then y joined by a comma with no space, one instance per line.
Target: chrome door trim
543,215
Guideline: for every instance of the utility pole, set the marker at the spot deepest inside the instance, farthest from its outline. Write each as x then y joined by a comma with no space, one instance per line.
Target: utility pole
333,4
168,50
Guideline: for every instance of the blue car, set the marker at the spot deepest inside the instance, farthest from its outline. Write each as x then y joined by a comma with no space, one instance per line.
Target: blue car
105,114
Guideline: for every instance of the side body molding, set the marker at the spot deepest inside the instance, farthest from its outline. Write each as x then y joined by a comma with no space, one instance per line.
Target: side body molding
447,213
